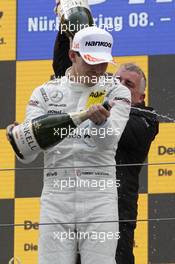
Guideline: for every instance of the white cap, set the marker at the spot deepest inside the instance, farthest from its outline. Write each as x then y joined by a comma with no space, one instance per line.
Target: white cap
94,45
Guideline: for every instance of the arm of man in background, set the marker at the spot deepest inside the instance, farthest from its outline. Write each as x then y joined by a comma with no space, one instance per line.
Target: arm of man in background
140,130
61,61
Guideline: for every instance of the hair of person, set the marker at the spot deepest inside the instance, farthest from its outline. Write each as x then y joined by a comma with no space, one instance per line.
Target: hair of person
135,68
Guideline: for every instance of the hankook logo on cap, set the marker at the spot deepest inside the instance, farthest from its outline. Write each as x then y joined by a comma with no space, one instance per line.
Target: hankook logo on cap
56,96
98,43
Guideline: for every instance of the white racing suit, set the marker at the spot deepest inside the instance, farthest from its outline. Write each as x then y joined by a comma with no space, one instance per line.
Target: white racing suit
84,188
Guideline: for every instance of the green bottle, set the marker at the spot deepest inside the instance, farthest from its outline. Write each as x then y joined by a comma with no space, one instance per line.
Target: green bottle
50,130
44,132
75,15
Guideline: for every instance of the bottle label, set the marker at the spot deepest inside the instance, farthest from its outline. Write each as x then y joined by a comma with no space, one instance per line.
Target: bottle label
24,139
68,4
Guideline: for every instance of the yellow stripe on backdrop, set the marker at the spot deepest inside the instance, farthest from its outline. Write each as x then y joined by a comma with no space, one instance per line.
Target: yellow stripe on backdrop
161,178
26,237
141,233
30,74
8,30
7,178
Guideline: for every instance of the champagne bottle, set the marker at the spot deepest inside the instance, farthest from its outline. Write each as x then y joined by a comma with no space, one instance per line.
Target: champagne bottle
75,15
44,132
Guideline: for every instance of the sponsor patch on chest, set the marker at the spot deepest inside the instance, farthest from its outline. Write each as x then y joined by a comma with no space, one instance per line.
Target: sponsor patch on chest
95,97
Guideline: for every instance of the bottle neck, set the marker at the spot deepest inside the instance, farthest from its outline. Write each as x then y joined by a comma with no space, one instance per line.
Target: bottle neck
66,5
79,117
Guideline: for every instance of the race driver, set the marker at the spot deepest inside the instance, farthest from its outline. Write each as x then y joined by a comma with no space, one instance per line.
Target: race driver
78,216
133,147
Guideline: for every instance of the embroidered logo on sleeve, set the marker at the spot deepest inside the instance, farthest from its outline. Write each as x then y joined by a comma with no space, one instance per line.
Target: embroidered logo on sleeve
123,99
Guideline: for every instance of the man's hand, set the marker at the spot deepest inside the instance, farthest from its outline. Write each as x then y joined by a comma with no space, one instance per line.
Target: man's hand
9,127
98,114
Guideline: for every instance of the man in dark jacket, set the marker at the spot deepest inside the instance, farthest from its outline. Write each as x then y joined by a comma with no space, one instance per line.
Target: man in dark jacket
133,147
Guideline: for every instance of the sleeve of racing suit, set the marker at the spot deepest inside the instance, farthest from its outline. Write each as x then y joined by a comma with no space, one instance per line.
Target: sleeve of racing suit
36,107
61,61
115,124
